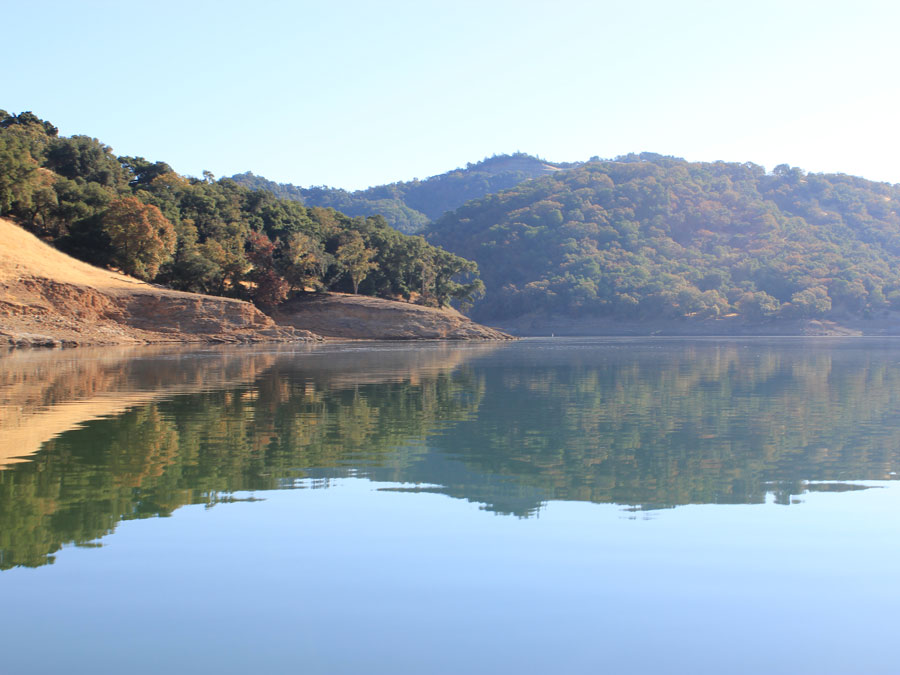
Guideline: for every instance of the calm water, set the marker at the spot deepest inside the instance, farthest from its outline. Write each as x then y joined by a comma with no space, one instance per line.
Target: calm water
572,506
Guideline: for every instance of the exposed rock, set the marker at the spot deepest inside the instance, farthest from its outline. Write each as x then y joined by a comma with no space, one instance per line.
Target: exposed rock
339,315
48,299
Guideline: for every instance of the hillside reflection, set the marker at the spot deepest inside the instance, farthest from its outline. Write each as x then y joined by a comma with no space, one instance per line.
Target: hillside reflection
511,427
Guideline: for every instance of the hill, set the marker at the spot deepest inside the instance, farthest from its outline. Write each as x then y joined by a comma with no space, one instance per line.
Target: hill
649,238
410,206
49,298
205,235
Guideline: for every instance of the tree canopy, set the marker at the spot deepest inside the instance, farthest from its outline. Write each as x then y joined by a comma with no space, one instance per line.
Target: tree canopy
206,235
649,236
410,206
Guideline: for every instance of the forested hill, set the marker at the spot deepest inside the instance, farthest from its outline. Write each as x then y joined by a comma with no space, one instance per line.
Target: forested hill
205,235
410,206
647,237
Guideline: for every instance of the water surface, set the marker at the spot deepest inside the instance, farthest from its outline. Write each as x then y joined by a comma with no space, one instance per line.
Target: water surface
548,505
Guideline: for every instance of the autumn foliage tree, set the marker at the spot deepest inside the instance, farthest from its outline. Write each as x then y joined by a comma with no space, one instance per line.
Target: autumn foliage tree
141,237
269,287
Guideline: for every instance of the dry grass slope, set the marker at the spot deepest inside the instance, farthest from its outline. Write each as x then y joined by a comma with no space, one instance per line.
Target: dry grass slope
48,298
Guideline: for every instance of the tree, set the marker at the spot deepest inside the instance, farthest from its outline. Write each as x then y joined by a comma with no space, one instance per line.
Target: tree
27,118
810,303
190,270
270,289
141,237
757,306
356,259
143,171
446,268
110,210
88,159
18,170
302,261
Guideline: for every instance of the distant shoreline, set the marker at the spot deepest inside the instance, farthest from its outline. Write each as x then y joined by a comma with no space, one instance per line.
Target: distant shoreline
560,326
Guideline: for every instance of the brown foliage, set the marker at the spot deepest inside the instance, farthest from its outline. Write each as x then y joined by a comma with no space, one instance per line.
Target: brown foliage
142,238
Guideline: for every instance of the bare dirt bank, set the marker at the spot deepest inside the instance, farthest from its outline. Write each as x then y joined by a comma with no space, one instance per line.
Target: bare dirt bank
50,299
338,315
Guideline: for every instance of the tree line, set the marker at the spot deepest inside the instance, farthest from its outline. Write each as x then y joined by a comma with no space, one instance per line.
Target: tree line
205,235
647,236
410,206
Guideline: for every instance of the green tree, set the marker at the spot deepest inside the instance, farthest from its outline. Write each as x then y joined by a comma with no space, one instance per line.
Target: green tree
96,207
142,170
355,259
449,267
190,270
810,303
302,261
88,159
18,174
757,306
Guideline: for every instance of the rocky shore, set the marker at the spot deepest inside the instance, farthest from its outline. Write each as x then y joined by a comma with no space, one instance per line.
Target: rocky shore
337,315
48,299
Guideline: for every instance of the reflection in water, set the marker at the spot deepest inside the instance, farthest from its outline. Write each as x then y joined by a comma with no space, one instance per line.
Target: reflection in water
657,427
652,424
257,421
43,393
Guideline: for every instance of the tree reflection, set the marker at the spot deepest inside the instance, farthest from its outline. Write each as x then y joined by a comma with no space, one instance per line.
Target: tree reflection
509,427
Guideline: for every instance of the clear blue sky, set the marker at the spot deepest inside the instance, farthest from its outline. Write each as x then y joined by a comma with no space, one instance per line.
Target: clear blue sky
352,94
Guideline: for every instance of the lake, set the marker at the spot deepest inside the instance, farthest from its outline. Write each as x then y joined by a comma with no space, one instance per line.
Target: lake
567,505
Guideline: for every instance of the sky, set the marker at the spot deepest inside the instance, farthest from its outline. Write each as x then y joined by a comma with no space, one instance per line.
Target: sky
352,94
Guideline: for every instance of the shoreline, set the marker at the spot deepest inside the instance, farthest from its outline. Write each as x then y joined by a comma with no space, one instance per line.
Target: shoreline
49,299
36,342
549,326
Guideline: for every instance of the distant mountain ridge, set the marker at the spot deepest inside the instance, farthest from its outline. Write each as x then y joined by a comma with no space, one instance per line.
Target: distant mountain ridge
410,206
647,237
